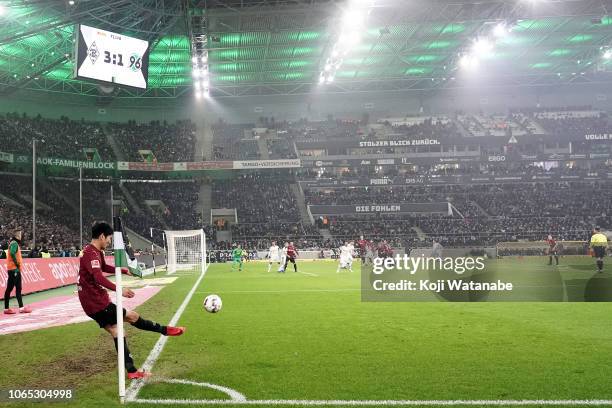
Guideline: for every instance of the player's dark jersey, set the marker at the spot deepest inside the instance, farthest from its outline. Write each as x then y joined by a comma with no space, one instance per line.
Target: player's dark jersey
384,250
553,246
361,244
291,251
91,282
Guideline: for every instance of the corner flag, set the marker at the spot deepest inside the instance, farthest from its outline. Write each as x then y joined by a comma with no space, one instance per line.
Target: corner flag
124,253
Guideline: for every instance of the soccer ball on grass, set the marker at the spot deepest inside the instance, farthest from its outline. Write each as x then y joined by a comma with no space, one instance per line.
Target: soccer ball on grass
213,303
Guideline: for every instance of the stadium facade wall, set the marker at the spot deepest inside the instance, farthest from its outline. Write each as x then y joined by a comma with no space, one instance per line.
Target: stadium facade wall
315,106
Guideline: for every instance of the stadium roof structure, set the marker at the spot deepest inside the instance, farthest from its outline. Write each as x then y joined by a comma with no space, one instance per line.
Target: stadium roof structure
280,47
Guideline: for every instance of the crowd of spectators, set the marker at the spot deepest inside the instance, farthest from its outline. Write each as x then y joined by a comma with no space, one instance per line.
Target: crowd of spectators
485,214
257,198
331,128
51,232
230,142
57,138
167,205
169,142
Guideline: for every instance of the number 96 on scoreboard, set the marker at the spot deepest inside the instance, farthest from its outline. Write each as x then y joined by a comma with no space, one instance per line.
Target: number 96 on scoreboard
110,57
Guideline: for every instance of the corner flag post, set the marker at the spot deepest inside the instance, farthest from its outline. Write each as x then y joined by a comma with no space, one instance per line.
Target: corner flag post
119,249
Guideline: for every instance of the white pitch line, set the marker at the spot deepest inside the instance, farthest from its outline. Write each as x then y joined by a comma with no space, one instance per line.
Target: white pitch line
233,394
377,402
135,386
308,273
286,291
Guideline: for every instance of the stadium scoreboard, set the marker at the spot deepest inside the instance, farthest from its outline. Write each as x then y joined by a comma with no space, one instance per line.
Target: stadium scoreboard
110,57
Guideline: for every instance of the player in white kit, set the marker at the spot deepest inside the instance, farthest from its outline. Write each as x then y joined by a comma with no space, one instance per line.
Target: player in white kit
274,255
283,257
346,257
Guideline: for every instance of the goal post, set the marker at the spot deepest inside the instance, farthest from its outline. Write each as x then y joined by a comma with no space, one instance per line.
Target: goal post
186,250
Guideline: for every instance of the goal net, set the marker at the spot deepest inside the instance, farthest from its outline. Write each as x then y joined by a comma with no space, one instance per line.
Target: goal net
186,250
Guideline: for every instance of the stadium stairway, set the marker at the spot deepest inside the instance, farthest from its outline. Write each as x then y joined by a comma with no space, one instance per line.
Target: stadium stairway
119,154
204,142
139,242
130,199
464,132
154,207
301,201
262,146
27,198
482,210
10,201
205,202
326,234
50,190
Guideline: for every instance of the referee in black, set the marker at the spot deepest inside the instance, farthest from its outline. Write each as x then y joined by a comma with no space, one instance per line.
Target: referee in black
599,243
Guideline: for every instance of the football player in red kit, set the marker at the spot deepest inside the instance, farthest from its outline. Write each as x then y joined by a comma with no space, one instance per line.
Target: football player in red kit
362,244
292,254
554,249
96,303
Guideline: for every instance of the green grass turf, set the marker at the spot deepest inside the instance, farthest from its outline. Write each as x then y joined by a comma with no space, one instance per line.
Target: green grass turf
298,336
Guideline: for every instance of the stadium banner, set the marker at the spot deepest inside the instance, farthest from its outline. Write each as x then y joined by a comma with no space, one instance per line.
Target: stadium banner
143,166
267,164
598,137
458,179
398,143
458,141
428,158
75,164
210,165
444,158
442,207
6,157
40,274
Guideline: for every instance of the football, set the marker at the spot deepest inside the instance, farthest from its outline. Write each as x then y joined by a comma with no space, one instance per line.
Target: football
212,303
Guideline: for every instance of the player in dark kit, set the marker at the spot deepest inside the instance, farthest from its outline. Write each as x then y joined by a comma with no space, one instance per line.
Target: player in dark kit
362,244
96,302
292,254
554,249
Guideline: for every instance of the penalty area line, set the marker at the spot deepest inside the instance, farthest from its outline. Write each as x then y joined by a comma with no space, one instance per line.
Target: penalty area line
307,273
376,402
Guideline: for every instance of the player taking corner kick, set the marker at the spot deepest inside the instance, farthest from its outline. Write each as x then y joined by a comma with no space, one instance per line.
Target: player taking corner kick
96,303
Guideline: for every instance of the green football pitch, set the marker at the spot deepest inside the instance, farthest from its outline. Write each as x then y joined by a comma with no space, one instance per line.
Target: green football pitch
307,338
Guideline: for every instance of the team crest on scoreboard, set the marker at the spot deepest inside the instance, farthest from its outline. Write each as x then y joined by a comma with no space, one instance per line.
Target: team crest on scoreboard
93,52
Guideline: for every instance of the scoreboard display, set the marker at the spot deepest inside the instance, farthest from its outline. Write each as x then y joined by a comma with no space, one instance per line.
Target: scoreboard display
110,57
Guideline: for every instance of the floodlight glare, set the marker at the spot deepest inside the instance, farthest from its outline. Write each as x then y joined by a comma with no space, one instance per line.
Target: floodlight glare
482,46
468,62
500,30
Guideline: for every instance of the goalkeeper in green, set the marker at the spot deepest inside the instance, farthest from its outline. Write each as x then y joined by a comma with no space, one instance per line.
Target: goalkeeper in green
237,257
